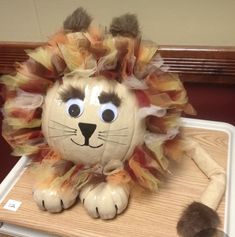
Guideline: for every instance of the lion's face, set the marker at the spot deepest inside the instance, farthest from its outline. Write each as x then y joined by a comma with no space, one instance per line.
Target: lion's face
92,120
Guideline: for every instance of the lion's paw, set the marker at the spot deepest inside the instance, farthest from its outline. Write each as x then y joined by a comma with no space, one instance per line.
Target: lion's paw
54,200
104,200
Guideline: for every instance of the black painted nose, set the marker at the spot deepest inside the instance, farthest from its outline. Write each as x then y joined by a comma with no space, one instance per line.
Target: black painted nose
87,130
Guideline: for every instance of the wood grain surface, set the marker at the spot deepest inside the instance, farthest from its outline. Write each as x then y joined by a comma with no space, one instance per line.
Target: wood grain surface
147,215
193,63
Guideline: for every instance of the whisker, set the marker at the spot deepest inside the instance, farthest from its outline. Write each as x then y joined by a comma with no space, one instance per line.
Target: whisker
111,141
60,129
64,135
114,130
62,125
113,135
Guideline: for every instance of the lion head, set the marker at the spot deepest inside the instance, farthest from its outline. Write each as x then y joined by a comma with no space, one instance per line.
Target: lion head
94,96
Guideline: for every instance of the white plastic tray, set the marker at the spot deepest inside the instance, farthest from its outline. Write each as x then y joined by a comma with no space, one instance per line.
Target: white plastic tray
229,222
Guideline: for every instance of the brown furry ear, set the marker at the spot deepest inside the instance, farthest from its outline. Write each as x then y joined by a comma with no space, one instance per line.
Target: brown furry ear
195,218
125,25
79,20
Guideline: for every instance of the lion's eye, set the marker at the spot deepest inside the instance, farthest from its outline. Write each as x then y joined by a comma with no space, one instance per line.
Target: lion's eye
74,107
108,112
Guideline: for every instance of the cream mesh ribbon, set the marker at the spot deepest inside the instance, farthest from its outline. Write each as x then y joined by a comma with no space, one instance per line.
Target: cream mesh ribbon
214,191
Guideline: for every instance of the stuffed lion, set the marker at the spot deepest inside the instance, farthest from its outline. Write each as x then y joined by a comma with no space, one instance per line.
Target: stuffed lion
97,112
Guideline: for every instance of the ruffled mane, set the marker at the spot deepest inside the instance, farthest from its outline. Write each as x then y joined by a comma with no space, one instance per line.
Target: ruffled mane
120,55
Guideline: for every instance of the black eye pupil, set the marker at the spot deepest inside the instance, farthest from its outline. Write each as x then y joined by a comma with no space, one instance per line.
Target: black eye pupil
108,115
74,110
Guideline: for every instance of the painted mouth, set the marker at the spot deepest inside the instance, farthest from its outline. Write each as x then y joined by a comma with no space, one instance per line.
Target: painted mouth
86,144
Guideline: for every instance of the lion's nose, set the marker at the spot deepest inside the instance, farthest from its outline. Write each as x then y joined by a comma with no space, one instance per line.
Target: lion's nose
87,129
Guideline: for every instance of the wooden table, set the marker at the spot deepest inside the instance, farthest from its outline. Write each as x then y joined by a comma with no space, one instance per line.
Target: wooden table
147,215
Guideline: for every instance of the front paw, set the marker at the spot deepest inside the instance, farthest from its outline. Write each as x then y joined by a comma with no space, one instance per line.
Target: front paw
196,218
54,200
104,200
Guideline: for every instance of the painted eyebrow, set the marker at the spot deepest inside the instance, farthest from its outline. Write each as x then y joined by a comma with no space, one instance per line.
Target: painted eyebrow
71,92
105,97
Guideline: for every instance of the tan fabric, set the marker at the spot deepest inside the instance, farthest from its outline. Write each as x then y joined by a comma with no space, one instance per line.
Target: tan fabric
216,188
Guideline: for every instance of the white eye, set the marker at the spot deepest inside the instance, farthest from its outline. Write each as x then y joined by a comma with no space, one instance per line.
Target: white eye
108,112
74,107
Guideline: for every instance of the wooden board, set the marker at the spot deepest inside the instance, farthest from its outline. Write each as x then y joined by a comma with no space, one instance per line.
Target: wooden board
202,64
147,215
